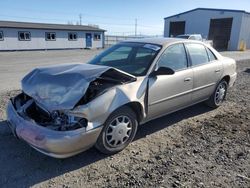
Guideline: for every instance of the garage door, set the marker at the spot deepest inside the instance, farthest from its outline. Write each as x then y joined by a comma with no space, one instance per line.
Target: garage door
220,31
176,28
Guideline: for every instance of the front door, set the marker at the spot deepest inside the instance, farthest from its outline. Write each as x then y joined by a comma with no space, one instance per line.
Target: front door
88,40
169,93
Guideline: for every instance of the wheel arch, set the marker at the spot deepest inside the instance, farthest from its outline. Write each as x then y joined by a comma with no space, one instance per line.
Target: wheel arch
226,78
137,108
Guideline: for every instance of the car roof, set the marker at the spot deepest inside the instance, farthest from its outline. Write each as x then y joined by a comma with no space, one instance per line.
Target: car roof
159,41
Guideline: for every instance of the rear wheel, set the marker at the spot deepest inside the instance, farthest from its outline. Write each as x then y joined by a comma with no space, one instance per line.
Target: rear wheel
219,95
119,130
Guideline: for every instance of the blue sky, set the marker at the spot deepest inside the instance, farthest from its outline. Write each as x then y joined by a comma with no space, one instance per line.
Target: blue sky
116,16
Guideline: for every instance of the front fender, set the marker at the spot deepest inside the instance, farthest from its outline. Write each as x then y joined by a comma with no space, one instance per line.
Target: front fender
99,109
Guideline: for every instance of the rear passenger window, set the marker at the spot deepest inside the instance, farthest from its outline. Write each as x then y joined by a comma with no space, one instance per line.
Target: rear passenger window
211,55
174,57
197,53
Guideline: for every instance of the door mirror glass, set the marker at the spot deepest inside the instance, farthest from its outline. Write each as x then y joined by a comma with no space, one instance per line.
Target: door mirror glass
162,71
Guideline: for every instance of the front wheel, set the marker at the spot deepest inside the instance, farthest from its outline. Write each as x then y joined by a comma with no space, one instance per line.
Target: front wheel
118,131
219,95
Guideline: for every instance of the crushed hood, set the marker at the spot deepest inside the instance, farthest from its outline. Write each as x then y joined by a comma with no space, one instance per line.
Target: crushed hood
61,87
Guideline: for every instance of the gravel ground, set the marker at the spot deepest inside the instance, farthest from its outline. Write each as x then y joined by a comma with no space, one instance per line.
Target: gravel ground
195,147
237,55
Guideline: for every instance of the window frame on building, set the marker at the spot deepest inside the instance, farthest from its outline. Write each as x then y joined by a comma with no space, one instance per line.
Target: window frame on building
24,34
46,36
97,38
1,38
74,36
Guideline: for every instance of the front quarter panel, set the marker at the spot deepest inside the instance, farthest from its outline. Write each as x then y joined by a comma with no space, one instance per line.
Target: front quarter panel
98,110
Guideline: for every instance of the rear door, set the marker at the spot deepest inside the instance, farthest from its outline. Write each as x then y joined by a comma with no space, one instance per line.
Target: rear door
207,71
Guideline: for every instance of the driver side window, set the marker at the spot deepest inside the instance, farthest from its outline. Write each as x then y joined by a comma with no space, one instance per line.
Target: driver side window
174,57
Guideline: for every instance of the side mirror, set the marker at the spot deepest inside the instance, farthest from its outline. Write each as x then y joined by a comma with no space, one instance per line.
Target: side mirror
162,71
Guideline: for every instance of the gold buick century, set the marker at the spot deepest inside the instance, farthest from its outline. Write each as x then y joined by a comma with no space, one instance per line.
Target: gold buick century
66,109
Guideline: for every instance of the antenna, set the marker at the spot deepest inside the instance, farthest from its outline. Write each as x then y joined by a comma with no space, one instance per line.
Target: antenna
136,27
80,17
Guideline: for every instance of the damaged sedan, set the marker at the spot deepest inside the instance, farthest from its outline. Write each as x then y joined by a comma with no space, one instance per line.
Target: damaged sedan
66,109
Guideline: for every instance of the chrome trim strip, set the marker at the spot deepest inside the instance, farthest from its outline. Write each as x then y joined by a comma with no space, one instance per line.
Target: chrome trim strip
202,87
171,97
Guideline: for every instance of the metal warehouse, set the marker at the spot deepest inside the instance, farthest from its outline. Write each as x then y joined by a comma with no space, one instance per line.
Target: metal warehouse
229,29
35,36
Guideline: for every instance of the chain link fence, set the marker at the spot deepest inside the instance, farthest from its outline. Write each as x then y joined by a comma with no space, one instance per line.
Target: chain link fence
113,39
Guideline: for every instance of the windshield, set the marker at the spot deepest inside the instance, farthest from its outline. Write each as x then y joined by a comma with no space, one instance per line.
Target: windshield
133,58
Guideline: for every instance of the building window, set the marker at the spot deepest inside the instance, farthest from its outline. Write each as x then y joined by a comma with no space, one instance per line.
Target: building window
24,35
72,36
97,36
1,35
51,36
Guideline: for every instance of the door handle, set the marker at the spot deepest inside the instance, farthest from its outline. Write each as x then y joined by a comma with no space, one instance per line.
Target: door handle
187,79
218,70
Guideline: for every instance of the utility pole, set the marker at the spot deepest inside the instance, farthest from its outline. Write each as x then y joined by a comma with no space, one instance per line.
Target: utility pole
136,27
80,17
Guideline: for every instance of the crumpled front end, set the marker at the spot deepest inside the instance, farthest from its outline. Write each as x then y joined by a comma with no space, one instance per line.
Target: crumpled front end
63,86
62,110
52,142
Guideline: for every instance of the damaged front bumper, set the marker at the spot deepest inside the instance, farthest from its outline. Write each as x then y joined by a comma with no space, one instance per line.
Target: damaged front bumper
58,144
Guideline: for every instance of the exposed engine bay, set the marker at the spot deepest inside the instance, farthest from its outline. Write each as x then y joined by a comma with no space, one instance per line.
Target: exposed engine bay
100,85
57,120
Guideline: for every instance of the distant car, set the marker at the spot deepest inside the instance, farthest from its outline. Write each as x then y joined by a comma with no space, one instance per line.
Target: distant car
197,37
191,37
64,110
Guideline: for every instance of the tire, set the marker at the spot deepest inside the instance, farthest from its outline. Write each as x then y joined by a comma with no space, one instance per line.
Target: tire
219,95
118,131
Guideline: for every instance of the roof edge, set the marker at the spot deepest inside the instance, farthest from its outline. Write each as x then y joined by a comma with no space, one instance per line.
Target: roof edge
46,24
211,9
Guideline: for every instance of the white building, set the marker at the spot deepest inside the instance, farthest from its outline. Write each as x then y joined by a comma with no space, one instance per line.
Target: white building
229,29
36,36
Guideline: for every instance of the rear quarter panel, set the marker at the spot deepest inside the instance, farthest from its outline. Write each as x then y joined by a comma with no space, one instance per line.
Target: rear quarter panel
229,69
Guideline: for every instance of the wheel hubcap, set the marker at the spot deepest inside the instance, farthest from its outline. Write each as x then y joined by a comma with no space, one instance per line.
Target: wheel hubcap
220,93
118,131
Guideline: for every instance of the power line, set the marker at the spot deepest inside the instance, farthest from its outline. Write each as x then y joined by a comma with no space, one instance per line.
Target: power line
72,13
34,18
53,19
136,25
